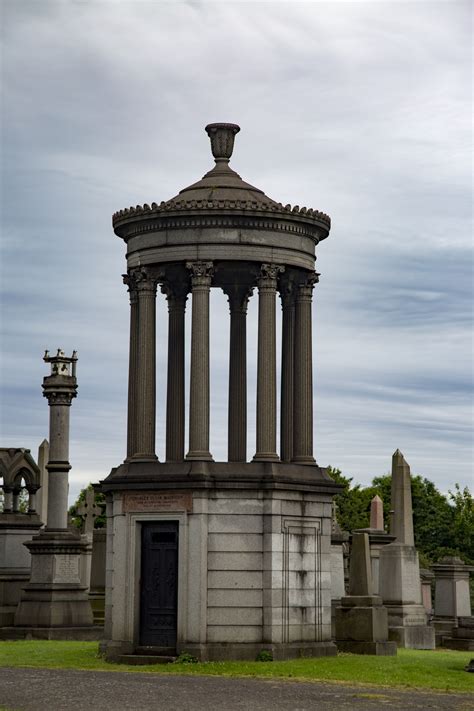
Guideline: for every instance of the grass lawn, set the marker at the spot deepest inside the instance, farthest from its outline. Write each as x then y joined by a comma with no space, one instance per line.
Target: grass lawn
441,670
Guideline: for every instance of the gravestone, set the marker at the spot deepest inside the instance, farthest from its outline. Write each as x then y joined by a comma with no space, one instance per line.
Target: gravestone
378,538
400,585
339,540
452,596
361,620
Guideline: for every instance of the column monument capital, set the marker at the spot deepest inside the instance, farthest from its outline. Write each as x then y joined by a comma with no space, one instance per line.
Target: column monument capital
269,275
201,273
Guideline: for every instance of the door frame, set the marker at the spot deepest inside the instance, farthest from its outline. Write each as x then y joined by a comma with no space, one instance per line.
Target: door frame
134,570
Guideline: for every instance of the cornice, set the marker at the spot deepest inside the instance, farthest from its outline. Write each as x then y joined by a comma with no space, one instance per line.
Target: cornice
198,213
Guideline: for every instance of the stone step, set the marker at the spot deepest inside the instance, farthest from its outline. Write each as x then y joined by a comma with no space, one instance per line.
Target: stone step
139,659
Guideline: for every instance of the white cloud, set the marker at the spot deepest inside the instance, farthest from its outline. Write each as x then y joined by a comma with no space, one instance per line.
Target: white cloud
358,109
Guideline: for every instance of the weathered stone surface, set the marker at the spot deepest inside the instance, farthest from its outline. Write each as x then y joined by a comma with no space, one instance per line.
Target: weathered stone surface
376,513
360,571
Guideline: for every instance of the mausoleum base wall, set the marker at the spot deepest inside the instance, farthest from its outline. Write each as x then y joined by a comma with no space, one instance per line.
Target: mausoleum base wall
254,568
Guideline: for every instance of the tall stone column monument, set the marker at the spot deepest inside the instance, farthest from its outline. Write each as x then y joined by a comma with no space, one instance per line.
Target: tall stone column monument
220,558
399,571
54,597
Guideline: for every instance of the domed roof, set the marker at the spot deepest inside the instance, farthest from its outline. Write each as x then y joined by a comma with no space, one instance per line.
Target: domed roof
223,183
221,191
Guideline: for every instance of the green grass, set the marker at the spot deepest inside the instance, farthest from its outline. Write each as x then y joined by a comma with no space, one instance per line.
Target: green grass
441,670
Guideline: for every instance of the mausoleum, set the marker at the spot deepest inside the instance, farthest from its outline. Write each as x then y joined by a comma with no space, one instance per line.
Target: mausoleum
220,558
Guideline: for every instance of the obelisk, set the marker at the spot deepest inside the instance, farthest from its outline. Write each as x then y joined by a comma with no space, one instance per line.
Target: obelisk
399,583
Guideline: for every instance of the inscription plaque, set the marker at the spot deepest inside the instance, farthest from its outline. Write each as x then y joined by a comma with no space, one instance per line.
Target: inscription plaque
157,501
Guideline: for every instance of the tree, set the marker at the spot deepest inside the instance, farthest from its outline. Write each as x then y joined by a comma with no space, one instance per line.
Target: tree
463,522
442,526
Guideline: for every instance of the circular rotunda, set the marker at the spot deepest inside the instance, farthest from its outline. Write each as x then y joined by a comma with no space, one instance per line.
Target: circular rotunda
221,559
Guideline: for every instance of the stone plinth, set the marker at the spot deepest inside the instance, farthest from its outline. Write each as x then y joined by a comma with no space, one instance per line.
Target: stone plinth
462,636
362,626
452,595
400,589
253,556
54,596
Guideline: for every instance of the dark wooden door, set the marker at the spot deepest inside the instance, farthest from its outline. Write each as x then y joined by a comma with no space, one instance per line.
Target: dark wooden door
159,584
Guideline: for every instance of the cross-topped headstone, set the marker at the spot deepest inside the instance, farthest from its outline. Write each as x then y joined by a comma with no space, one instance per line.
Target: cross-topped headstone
89,511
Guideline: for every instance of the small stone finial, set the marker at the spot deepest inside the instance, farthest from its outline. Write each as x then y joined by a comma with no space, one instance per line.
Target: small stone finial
222,139
376,513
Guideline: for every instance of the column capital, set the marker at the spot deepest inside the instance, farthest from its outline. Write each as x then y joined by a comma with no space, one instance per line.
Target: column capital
131,283
201,273
238,296
57,397
268,276
306,286
176,295
146,279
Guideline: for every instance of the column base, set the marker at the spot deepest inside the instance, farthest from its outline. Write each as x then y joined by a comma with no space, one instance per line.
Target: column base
199,456
266,457
304,460
142,458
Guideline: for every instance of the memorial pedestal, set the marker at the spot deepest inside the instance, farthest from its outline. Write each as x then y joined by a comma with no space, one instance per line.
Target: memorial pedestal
54,596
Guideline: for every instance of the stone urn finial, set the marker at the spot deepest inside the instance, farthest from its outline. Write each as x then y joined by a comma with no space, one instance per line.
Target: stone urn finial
222,139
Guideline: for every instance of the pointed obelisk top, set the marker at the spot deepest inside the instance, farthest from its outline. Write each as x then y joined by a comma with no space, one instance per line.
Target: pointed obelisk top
376,513
402,519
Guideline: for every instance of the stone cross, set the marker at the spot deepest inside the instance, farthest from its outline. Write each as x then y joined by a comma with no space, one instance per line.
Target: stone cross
360,571
402,520
376,513
89,511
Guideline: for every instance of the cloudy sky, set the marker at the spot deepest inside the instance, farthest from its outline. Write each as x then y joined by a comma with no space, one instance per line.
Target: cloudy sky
359,109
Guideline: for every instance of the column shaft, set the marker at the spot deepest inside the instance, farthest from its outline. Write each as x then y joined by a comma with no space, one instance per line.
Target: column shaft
132,366
199,386
237,409
303,399
266,364
145,407
287,374
58,464
175,387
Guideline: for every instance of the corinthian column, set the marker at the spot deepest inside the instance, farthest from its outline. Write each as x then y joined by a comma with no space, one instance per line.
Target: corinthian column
201,276
176,296
237,412
303,403
266,364
145,407
287,294
130,281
